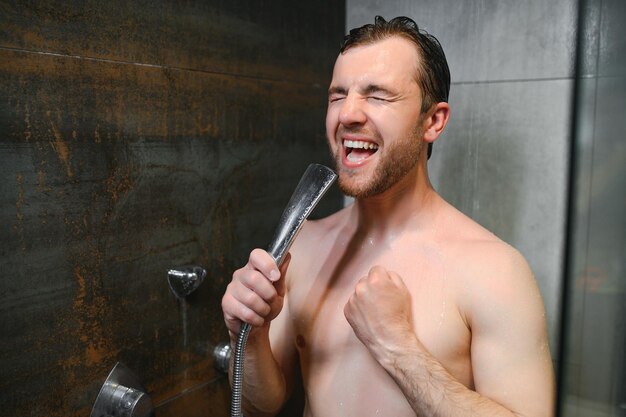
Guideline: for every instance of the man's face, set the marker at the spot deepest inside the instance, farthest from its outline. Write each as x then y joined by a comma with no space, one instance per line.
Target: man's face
373,121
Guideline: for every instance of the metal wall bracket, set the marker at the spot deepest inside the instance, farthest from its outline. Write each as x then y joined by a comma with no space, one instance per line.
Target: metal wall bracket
221,355
184,280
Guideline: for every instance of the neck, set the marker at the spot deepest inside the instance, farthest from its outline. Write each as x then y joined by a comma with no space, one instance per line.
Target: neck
409,202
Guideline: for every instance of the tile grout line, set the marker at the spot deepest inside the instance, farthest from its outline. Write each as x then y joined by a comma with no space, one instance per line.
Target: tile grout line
157,66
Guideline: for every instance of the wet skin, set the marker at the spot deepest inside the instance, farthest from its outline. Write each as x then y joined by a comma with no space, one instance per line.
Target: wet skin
398,305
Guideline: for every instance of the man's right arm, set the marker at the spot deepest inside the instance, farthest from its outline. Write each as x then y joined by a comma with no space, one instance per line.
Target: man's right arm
255,296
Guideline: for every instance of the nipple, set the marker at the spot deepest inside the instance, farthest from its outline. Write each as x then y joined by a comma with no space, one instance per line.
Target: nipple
300,341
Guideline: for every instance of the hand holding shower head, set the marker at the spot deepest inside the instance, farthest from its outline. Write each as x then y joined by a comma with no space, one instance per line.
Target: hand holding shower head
310,190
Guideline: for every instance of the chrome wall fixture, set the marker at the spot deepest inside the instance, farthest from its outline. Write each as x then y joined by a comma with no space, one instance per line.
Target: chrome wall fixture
185,279
122,395
221,355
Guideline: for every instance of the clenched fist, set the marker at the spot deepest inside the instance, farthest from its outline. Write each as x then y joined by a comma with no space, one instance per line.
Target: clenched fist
379,311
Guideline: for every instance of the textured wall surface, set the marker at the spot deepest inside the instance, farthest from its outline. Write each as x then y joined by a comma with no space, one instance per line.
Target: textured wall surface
134,137
503,158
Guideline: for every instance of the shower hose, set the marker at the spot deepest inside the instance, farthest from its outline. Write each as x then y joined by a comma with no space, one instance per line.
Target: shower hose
238,361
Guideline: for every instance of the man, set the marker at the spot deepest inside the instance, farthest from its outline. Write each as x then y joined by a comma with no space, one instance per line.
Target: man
397,305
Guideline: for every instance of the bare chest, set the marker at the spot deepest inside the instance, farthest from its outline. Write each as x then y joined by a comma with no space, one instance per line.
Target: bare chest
325,339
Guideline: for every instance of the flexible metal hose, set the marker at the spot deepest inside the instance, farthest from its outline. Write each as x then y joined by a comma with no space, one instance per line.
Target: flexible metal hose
238,362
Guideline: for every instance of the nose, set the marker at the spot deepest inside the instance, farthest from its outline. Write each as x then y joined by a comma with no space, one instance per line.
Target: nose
352,111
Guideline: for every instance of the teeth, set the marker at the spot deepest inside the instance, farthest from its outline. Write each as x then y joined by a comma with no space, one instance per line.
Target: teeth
359,144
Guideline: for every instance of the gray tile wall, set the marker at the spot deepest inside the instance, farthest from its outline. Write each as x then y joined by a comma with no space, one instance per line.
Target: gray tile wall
503,158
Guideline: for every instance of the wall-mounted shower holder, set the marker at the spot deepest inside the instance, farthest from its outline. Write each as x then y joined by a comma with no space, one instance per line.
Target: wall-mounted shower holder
184,280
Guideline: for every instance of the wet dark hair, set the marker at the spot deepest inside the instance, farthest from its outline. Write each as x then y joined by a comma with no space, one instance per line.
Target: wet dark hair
433,74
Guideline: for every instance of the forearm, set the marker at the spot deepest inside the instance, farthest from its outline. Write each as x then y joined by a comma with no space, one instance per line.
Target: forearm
430,389
264,388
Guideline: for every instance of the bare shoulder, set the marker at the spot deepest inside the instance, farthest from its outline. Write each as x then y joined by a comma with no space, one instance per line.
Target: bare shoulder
491,273
498,298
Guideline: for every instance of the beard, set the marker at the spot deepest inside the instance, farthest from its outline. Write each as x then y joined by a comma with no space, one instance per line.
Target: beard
394,164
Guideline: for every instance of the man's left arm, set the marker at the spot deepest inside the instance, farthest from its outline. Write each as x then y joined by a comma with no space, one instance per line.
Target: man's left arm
511,363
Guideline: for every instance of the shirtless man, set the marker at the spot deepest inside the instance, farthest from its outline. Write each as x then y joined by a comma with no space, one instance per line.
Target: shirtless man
397,305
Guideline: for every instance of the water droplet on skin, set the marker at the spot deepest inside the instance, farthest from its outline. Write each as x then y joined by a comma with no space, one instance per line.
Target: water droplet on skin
443,313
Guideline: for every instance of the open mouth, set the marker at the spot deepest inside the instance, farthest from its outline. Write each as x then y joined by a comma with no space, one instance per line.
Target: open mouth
357,151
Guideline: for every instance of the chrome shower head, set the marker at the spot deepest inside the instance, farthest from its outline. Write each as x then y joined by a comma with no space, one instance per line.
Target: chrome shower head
313,184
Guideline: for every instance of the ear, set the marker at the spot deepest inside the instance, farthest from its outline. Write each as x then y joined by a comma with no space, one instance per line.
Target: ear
435,121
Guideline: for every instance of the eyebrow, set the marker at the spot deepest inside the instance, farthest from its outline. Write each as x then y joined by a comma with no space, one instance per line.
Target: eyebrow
369,89
337,90
374,88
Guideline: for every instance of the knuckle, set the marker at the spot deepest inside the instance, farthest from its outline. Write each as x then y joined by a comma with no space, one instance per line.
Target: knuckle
260,259
377,271
248,315
238,277
266,290
266,310
224,303
250,298
360,288
227,302
252,280
232,288
257,256
237,274
374,270
256,279
256,252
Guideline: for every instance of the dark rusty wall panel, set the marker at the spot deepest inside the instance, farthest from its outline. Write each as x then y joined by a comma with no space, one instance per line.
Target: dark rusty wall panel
112,172
278,39
203,401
